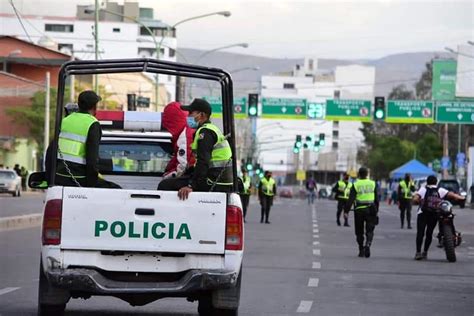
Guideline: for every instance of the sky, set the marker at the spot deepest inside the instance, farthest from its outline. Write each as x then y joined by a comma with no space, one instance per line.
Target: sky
295,29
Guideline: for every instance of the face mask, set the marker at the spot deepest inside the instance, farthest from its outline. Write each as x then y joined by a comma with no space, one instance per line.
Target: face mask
191,122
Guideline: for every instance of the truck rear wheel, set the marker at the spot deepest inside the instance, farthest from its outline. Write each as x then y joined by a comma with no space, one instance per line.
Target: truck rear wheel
51,301
223,302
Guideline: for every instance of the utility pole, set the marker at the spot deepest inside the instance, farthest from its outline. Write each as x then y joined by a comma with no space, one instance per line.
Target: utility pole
96,38
46,114
445,149
71,82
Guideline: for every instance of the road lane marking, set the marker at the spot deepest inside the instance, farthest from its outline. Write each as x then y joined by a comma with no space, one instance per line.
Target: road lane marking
313,282
316,265
316,252
305,307
8,290
315,230
315,225
315,236
315,242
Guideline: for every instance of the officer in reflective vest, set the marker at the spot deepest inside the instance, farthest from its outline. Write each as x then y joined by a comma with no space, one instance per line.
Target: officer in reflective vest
78,144
341,191
363,195
406,187
213,168
245,191
266,191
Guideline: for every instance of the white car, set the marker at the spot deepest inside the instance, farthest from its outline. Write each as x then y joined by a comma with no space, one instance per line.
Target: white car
10,182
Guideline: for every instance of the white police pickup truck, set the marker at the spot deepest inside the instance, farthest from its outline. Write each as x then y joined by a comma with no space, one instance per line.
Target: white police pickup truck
136,243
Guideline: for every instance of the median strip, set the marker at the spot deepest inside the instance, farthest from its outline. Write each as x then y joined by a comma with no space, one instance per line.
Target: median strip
19,222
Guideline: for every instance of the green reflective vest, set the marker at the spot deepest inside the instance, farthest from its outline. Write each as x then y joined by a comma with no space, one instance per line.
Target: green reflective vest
365,193
221,153
344,189
407,194
246,182
73,136
267,186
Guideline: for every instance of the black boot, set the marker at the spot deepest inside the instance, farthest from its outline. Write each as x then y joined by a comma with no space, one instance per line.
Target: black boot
338,222
367,251
361,252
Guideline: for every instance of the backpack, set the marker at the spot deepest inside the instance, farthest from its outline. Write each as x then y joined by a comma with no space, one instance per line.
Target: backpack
431,200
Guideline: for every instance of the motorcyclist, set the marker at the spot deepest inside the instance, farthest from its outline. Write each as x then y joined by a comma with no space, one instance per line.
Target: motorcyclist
428,199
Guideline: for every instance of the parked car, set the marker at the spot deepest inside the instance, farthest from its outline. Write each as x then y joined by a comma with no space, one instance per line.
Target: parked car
453,186
286,192
10,182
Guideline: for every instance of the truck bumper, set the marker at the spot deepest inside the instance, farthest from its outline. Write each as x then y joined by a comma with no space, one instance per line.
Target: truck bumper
93,282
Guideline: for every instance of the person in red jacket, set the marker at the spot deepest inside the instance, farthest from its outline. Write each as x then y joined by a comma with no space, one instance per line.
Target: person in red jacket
174,121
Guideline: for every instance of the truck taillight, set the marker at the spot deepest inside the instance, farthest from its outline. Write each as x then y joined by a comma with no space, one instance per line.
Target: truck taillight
234,237
52,222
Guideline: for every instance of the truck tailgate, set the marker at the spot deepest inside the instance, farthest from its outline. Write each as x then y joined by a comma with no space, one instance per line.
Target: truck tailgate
138,220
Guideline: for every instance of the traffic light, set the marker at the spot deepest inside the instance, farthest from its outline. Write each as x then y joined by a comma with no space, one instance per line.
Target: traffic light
379,108
253,105
298,142
258,169
322,142
316,146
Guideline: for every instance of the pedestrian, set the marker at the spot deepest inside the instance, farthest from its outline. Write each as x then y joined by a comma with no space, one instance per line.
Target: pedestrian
363,195
266,191
17,169
245,191
311,188
341,191
24,177
406,188
174,121
428,198
78,146
213,167
471,190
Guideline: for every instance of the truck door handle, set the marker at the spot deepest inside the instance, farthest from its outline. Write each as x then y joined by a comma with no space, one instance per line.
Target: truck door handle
144,211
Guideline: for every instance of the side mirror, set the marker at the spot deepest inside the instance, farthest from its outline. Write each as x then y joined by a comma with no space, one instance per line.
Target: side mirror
37,180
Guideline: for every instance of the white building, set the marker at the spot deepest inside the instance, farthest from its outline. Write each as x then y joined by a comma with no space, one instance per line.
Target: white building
343,138
120,36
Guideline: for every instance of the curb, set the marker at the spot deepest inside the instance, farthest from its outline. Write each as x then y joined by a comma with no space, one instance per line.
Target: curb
19,222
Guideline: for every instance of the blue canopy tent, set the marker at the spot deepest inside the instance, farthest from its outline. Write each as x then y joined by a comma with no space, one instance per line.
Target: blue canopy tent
415,168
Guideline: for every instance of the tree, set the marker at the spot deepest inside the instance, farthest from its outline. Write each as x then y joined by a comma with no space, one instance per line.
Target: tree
423,86
33,116
401,92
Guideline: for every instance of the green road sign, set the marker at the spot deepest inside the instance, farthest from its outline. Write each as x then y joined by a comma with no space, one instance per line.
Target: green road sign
349,110
284,108
316,110
410,111
444,80
455,112
240,107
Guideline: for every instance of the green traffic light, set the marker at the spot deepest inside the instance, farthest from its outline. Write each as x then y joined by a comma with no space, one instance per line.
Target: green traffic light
253,110
322,142
299,144
316,148
379,114
249,167
296,150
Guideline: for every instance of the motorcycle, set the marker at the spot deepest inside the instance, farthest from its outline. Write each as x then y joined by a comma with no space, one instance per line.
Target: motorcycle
448,237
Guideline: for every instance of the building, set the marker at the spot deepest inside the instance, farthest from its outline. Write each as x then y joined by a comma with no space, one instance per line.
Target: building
343,138
124,32
25,66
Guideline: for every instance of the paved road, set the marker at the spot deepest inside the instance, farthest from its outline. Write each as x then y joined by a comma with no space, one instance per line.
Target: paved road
301,264
27,203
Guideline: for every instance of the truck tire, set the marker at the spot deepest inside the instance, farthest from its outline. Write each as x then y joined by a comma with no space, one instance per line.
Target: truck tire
51,301
449,243
212,304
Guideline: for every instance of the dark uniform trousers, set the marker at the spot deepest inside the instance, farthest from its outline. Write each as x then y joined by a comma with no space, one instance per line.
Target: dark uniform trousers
364,217
405,207
245,198
341,204
266,201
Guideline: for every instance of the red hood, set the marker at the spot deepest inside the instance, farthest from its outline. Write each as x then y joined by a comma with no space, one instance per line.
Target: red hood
174,119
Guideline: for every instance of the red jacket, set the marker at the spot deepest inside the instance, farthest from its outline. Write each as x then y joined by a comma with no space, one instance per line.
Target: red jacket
174,121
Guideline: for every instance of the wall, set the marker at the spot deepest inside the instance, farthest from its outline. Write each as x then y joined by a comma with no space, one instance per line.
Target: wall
23,154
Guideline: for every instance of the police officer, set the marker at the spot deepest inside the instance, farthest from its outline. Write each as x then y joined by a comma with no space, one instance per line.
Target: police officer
406,187
341,191
266,191
245,192
213,168
364,194
78,145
